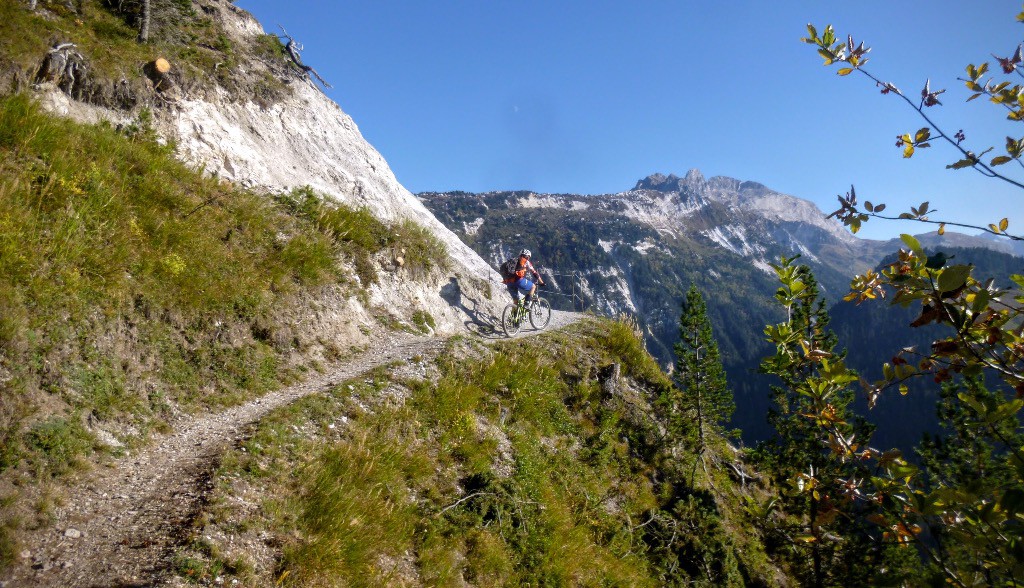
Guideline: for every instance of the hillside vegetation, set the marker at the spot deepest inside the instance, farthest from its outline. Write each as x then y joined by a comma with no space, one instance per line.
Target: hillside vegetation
133,288
189,35
535,462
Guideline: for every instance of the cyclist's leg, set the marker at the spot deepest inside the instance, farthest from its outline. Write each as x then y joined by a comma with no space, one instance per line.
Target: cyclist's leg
526,287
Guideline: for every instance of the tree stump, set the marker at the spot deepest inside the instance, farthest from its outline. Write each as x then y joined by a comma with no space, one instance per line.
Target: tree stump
66,67
158,72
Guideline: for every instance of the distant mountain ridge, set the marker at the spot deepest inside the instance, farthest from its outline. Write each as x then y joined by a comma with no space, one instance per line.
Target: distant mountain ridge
637,252
667,231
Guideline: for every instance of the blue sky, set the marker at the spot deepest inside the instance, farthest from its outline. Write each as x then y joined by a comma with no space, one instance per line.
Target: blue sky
590,96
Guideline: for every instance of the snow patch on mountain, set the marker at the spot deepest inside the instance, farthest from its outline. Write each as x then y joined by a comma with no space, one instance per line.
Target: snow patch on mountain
645,246
749,196
471,228
733,238
615,296
549,201
764,266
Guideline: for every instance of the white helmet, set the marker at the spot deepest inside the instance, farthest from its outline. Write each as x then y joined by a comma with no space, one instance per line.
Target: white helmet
525,253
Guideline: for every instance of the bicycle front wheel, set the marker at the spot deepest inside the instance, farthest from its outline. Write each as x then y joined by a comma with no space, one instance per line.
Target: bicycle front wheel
540,314
510,323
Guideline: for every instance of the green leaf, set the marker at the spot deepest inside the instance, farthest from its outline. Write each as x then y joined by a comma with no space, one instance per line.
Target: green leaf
961,164
973,403
1000,160
844,71
1012,500
913,243
829,35
1005,411
922,135
981,300
812,33
953,277
1018,463
1004,224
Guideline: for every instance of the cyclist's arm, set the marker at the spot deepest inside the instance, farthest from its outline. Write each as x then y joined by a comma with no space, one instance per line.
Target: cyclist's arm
536,274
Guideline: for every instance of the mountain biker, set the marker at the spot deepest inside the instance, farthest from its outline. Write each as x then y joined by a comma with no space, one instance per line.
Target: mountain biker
517,282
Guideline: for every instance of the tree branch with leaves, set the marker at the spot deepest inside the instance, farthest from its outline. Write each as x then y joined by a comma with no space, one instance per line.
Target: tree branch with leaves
979,526
854,57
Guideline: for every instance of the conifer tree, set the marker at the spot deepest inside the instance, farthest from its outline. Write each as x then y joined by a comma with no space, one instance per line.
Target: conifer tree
843,549
974,452
703,402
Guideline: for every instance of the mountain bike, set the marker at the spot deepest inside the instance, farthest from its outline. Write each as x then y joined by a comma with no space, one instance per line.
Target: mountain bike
538,310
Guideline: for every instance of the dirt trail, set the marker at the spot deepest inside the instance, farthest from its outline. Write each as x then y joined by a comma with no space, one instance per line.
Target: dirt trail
120,527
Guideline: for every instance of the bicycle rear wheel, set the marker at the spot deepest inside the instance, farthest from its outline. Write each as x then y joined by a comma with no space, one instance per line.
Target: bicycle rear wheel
540,313
509,322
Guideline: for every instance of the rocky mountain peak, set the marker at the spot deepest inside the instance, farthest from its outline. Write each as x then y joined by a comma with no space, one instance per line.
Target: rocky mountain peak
672,183
694,177
659,182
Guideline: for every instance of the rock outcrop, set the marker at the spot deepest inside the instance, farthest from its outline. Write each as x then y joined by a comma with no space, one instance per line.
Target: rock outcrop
305,139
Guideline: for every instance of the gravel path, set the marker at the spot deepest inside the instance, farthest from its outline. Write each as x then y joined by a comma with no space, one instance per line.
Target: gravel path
122,525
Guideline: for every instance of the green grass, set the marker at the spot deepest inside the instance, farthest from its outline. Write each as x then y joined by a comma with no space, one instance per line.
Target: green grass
119,266
197,48
510,469
424,321
62,445
360,235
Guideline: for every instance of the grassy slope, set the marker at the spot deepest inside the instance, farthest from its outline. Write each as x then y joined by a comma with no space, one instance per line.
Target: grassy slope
201,54
507,466
132,288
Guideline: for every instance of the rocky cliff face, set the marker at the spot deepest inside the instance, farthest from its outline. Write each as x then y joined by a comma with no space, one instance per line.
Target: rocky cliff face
304,139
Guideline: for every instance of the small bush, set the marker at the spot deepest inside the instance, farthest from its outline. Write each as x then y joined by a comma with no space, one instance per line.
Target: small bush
59,444
423,251
624,341
424,321
268,47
